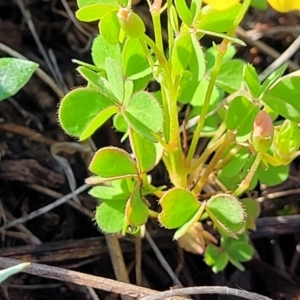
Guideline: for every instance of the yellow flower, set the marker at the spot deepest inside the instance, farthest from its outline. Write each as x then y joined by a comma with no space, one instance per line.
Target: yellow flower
279,5
285,5
221,4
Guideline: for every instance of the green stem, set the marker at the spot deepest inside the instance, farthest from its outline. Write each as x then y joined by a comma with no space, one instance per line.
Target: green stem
214,74
210,168
205,107
162,142
152,214
223,162
174,158
147,53
157,29
159,54
170,30
198,164
172,93
246,182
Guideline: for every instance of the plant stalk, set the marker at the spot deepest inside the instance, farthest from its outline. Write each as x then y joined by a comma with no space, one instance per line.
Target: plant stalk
221,52
246,182
210,168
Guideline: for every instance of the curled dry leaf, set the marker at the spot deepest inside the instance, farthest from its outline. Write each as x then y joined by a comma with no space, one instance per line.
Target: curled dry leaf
196,239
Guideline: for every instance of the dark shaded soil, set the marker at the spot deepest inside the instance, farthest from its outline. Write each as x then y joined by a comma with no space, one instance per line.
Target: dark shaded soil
31,177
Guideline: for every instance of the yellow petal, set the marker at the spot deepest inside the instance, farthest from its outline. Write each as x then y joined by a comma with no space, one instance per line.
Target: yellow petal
285,5
221,4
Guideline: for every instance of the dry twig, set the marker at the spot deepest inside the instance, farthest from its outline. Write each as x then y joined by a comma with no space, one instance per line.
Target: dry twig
82,279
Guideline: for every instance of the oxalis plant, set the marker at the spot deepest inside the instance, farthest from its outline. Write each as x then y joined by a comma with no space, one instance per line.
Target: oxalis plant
251,127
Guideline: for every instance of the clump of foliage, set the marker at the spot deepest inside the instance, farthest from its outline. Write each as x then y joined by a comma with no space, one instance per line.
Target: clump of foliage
251,126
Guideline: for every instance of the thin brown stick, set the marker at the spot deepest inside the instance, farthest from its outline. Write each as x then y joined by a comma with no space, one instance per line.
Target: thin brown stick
117,260
242,34
46,208
222,290
28,19
82,279
279,194
138,260
31,238
162,260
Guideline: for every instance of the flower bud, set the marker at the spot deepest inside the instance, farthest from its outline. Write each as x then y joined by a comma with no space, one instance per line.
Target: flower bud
130,22
287,140
263,131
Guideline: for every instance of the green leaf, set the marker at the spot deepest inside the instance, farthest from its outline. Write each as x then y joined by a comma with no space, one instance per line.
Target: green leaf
187,88
184,12
200,93
174,19
252,80
112,162
193,92
145,152
232,182
239,252
144,114
97,82
120,123
14,74
108,193
283,97
128,91
83,110
218,21
134,60
273,77
178,207
240,115
92,67
259,4
222,36
252,208
227,213
239,109
95,12
237,249
110,28
4,274
182,230
272,175
115,78
110,216
195,8
216,258
227,241
101,50
236,164
230,77
136,208
181,53
236,112
139,127
212,53
245,128
82,3
98,121
197,61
